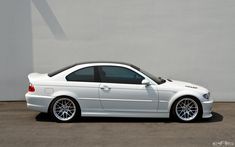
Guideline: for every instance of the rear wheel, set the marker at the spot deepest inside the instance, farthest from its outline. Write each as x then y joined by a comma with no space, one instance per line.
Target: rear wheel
186,109
64,109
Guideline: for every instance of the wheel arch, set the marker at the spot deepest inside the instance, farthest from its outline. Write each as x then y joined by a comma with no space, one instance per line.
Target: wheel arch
179,95
66,94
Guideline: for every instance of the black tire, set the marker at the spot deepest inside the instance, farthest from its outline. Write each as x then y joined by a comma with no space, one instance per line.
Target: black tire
54,105
176,115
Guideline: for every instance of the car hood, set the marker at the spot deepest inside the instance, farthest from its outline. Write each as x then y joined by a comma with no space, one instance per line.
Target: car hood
180,85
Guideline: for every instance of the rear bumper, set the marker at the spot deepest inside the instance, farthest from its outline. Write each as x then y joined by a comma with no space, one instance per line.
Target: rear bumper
38,103
207,109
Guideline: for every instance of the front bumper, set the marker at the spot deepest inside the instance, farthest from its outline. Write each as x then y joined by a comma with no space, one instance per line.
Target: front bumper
38,103
207,108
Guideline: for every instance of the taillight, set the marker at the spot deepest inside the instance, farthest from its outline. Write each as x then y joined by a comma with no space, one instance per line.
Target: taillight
31,88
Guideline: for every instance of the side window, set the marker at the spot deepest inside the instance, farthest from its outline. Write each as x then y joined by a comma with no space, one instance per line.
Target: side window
82,75
115,74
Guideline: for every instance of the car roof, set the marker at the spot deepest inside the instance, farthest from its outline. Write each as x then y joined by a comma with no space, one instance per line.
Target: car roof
111,62
90,62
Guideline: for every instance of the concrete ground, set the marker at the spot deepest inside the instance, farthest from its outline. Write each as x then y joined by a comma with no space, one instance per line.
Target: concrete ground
21,127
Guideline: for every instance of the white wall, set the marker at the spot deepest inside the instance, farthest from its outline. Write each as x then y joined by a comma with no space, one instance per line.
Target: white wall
15,48
186,40
190,40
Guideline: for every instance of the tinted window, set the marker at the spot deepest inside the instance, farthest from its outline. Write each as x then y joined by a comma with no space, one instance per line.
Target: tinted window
114,74
82,75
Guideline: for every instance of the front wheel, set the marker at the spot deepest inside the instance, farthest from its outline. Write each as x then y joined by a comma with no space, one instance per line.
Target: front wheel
64,109
186,109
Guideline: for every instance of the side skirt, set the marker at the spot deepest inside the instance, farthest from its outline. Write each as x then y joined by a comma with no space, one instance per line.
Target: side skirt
127,114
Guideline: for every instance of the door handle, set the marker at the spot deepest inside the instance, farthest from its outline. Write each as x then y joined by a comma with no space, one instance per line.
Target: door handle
105,88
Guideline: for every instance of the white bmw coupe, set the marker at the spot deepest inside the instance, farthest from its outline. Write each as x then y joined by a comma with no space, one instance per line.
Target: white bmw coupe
113,89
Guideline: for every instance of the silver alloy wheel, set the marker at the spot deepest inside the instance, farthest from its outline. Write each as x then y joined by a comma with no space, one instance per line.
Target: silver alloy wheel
186,109
64,109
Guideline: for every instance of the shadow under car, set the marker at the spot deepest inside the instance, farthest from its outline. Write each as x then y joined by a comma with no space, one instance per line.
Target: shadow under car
45,117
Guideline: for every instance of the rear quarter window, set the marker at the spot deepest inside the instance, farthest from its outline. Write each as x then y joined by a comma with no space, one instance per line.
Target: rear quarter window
82,75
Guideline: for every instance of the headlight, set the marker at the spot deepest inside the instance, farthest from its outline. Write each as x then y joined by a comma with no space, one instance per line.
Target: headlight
207,96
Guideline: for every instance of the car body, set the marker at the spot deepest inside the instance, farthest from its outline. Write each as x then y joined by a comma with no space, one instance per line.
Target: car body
114,89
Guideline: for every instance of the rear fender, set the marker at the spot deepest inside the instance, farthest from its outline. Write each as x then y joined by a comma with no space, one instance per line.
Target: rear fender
64,93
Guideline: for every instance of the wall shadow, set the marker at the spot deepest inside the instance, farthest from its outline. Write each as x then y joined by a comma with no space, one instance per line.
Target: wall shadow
50,18
16,47
44,117
16,60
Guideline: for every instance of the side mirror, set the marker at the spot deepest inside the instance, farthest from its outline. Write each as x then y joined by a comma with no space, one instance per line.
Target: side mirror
145,82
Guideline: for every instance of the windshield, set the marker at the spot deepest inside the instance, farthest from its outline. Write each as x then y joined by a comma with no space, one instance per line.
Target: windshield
158,80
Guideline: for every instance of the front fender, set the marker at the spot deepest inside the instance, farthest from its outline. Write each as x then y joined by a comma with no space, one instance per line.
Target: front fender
183,93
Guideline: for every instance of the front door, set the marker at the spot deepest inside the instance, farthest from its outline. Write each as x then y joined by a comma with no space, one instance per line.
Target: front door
121,91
